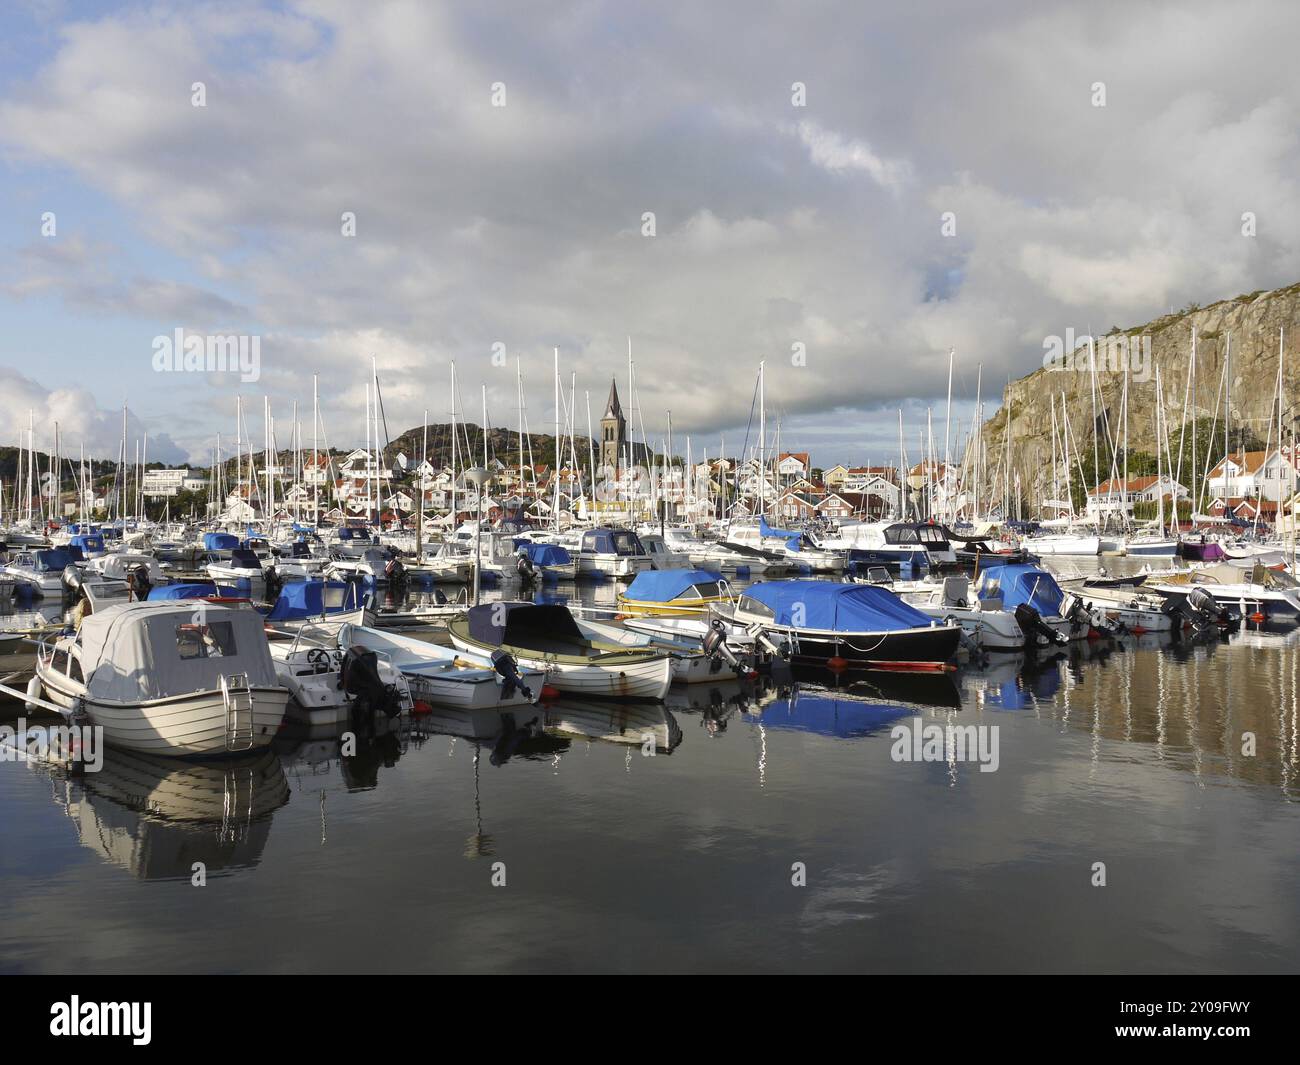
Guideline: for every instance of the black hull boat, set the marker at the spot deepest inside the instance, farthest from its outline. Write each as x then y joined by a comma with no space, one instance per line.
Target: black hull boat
845,626
919,648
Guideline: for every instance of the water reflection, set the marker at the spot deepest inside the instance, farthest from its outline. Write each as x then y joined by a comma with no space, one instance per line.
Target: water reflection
156,817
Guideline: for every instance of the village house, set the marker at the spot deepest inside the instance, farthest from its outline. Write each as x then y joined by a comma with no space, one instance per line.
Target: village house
1113,496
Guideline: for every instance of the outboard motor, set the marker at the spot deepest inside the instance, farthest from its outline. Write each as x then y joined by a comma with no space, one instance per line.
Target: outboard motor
397,576
138,582
525,568
1203,611
72,582
504,663
274,583
715,646
359,677
1032,625
1077,610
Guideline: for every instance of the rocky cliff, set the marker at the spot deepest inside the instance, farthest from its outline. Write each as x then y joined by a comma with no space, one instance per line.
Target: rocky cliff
1243,331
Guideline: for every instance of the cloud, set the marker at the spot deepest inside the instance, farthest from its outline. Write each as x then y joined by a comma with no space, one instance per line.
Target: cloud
775,225
79,419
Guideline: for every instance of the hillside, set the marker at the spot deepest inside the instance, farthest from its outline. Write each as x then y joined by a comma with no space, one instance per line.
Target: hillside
1253,322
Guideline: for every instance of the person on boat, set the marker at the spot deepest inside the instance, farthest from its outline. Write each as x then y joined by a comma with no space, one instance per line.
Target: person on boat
83,609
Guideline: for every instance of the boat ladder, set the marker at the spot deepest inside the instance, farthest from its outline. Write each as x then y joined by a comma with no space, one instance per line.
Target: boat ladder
238,697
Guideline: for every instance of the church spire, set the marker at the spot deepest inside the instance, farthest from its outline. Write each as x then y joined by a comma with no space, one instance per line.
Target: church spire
613,409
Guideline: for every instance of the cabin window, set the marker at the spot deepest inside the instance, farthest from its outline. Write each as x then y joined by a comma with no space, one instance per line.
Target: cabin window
74,669
625,543
757,609
215,640
59,662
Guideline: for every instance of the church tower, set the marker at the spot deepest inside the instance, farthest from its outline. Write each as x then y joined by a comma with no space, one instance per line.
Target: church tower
613,431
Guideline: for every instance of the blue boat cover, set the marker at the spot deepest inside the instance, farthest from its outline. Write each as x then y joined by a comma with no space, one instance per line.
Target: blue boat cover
545,554
1019,582
215,541
53,559
765,529
311,599
88,542
836,607
665,585
193,590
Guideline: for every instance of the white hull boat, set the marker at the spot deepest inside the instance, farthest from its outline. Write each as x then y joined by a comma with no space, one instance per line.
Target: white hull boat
168,678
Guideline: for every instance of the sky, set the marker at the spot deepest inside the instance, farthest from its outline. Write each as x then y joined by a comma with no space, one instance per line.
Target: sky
845,191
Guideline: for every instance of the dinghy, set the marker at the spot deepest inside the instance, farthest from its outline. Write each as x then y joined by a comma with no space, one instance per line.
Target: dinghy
546,637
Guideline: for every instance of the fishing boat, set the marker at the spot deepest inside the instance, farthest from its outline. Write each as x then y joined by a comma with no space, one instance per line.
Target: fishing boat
173,678
547,637
612,552
682,592
439,675
852,624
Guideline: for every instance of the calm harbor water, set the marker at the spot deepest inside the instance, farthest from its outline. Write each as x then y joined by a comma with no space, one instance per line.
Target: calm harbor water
618,860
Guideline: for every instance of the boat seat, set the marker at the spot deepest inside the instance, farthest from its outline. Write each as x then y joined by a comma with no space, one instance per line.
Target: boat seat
956,591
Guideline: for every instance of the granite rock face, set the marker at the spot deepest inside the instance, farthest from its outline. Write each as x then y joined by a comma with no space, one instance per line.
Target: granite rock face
1243,332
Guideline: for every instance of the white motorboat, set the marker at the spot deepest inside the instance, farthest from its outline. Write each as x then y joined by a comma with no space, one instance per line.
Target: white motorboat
173,678
242,569
1119,606
40,570
661,555
992,628
1251,589
690,664
444,677
616,553
327,686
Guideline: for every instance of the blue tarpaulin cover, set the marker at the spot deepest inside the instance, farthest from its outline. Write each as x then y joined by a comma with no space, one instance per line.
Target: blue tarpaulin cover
54,559
545,554
664,585
765,529
1017,583
214,541
311,599
193,590
88,542
836,607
